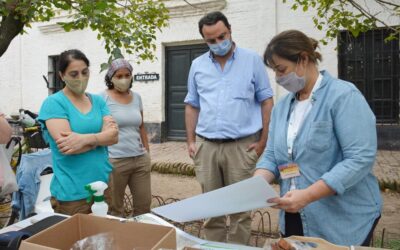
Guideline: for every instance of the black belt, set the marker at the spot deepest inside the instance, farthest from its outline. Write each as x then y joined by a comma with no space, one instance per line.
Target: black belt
218,140
227,139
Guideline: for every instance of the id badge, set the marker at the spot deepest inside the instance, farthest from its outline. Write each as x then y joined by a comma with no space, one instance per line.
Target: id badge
289,170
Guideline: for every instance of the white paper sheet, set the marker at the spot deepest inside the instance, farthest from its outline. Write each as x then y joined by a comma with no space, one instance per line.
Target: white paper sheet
246,195
184,239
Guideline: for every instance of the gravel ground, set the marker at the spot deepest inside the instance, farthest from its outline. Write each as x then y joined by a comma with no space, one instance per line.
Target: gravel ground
387,165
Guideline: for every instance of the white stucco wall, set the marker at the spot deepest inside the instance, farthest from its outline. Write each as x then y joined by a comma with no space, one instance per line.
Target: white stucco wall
24,63
248,27
253,22
10,77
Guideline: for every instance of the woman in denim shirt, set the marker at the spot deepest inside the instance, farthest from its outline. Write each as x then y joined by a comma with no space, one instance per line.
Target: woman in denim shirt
321,148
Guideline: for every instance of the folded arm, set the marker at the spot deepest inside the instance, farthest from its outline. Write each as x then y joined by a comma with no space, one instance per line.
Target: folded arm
69,142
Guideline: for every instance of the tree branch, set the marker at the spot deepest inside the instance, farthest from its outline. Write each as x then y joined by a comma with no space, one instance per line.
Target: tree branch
369,15
10,27
192,5
388,3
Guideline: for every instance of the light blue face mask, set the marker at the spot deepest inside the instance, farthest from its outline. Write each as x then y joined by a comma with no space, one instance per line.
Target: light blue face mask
222,48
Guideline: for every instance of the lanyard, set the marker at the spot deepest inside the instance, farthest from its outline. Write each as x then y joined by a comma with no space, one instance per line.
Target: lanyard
293,132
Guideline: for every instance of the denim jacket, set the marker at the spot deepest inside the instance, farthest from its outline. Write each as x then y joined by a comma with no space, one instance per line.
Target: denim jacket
337,144
28,178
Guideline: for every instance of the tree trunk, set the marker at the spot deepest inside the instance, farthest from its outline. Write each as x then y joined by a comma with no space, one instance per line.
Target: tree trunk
10,27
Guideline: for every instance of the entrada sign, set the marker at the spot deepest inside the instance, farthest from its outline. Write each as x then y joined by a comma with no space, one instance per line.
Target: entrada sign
147,77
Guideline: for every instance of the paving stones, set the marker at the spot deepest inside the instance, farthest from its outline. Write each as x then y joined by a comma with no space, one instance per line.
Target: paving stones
387,164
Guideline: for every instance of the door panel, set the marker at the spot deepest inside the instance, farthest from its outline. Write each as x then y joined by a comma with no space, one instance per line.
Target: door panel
178,61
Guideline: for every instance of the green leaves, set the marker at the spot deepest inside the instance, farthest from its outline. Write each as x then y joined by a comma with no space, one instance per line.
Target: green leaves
101,6
117,53
104,66
334,16
127,26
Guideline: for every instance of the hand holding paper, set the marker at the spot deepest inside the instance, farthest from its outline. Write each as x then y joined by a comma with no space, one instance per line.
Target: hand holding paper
246,195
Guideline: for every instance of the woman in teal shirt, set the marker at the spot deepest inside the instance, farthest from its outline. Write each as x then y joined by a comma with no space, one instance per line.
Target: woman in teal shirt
78,127
321,148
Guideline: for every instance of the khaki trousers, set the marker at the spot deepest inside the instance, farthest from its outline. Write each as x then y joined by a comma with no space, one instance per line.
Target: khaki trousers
218,165
71,207
135,173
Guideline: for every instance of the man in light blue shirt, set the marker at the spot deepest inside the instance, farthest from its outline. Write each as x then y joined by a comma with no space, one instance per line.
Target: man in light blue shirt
227,113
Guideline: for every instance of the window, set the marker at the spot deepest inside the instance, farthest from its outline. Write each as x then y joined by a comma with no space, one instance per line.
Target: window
373,66
54,81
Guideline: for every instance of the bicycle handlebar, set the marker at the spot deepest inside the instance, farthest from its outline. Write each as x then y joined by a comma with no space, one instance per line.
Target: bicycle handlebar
32,129
16,122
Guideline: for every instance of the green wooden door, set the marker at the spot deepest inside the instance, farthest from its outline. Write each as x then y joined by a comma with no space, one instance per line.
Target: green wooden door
178,61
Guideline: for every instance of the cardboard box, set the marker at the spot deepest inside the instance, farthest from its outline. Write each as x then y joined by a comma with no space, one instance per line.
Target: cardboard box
128,235
317,243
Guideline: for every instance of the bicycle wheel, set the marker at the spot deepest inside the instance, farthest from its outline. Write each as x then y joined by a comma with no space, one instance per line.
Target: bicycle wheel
8,216
16,147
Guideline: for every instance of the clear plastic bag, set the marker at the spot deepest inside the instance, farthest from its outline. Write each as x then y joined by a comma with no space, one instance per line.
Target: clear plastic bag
8,181
301,243
103,241
288,244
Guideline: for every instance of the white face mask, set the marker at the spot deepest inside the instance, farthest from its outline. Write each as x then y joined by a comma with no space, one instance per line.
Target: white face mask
122,84
292,82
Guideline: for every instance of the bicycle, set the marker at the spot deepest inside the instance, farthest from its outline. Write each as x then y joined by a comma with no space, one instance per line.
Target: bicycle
25,140
28,136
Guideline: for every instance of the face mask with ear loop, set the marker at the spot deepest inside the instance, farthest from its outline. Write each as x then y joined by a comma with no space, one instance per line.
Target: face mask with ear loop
122,85
292,82
222,48
78,86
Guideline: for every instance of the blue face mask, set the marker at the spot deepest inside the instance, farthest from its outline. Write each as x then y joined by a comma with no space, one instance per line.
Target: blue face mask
222,48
